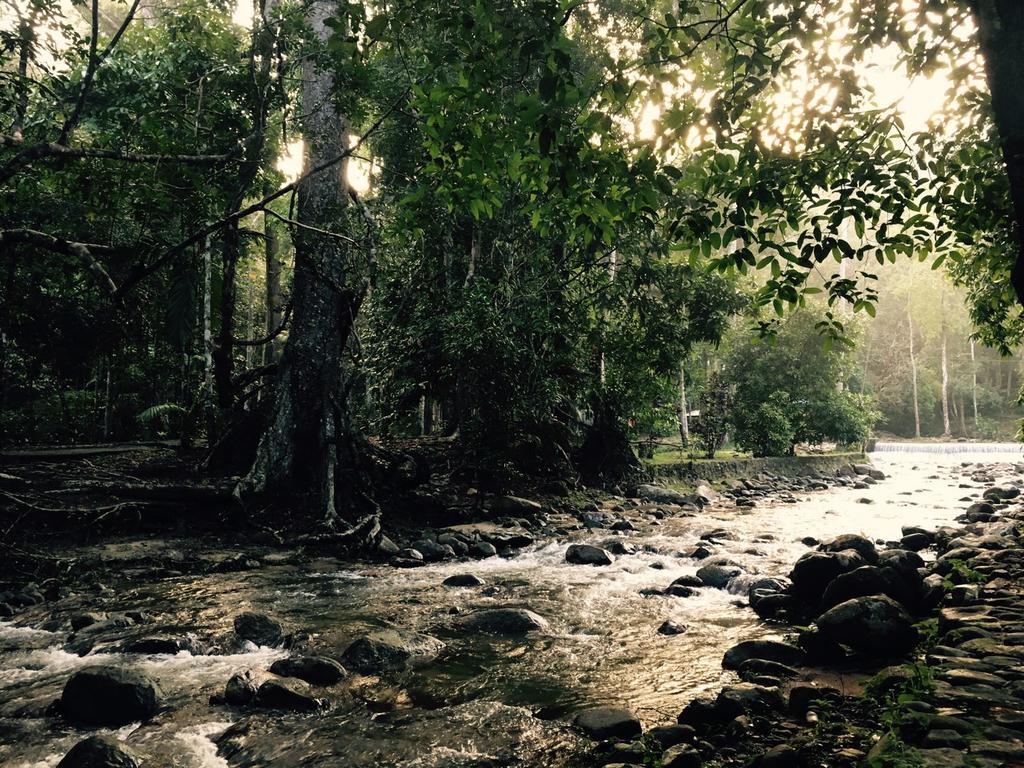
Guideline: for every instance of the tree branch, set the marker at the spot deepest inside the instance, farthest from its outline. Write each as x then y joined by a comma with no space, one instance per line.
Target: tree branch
84,251
53,149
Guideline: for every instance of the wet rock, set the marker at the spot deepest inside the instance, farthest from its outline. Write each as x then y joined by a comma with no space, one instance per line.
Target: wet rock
586,554
667,736
779,756
812,573
432,551
160,644
258,628
82,620
293,695
768,650
863,581
755,668
620,547
99,752
515,506
718,576
915,542
108,696
240,689
687,581
998,493
504,621
747,698
482,549
681,756
859,544
601,723
463,580
661,495
866,470
388,649
316,670
670,627
775,605
875,625
387,547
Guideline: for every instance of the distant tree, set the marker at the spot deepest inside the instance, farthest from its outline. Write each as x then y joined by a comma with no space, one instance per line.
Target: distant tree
713,424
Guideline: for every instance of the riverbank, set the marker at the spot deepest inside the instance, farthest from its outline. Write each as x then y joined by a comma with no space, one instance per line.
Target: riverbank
506,652
723,471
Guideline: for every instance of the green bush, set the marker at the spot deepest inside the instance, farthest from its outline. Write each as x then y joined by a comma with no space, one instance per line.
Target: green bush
768,431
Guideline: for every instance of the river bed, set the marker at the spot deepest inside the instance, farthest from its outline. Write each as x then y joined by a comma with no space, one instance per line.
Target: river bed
486,700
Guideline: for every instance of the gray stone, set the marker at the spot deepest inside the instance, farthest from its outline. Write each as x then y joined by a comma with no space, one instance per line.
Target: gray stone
670,627
601,723
389,649
769,650
463,580
287,694
108,696
503,621
317,670
258,628
585,554
99,752
718,576
240,689
875,625
681,756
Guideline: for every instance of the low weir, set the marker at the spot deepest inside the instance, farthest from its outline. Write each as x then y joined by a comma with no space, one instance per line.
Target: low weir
947,448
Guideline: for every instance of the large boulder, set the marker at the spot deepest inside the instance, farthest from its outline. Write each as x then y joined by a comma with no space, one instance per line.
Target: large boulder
859,544
293,695
240,689
718,576
747,698
389,649
316,670
503,621
768,650
812,573
108,696
870,580
875,625
601,723
586,554
99,752
258,628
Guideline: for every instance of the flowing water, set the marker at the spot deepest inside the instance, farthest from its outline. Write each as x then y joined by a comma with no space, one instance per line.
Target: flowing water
476,704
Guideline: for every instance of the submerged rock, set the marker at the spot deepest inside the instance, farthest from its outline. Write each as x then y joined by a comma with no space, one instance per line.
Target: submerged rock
99,752
288,694
586,554
317,670
240,689
389,649
258,628
463,580
669,627
718,576
108,696
504,621
601,723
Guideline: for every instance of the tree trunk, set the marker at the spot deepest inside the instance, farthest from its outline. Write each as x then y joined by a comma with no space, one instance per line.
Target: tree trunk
1001,38
945,386
274,301
913,374
684,418
974,384
308,449
208,409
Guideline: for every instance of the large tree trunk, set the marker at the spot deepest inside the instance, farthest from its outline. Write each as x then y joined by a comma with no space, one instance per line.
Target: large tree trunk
684,417
308,450
945,385
274,300
913,374
1001,37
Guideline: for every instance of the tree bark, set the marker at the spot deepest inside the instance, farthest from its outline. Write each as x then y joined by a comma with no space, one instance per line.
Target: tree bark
913,374
308,449
684,417
974,384
274,300
1001,38
945,385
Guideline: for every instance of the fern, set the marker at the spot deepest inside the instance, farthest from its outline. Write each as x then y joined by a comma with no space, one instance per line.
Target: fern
160,413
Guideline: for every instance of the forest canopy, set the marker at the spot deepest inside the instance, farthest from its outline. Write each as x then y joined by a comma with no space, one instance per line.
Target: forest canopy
287,227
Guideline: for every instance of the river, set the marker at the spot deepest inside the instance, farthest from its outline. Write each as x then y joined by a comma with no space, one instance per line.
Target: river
486,700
